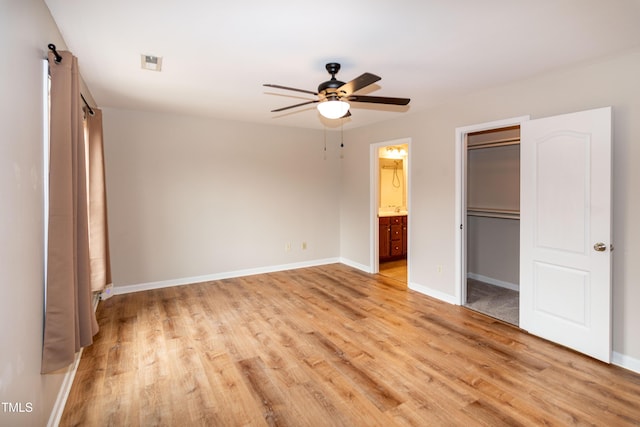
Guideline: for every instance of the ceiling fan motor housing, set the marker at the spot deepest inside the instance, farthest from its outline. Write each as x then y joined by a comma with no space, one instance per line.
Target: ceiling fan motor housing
328,88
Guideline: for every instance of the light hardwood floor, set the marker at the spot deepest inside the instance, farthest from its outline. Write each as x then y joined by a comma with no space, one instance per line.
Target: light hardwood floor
394,269
330,346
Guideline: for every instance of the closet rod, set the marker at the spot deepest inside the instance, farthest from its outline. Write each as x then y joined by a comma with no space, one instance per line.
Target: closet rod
495,143
494,213
52,48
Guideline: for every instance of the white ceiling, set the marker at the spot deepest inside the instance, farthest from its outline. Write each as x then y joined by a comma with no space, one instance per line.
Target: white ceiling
217,54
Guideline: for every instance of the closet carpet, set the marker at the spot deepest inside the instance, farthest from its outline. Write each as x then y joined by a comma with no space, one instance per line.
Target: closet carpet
494,301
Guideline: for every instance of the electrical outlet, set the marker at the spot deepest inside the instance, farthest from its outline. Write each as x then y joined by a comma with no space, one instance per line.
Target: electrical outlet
304,246
287,247
439,268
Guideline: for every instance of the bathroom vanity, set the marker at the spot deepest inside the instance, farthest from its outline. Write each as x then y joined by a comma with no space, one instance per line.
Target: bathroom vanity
392,236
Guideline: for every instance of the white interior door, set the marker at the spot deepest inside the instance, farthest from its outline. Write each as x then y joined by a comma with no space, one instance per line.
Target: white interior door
565,230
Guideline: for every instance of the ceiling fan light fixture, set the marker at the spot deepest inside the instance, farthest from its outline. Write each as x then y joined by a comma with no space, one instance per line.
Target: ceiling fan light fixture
333,109
395,153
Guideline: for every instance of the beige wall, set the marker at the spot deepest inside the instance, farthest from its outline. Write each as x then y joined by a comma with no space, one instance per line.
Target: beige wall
612,81
493,249
493,178
26,28
191,197
493,182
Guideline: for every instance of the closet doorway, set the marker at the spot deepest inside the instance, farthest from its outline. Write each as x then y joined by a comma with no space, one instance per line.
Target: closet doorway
488,184
564,217
492,226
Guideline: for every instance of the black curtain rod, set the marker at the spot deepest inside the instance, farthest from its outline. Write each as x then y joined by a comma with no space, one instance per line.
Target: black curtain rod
87,104
52,48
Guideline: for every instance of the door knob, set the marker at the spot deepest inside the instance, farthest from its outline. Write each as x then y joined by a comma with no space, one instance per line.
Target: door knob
600,247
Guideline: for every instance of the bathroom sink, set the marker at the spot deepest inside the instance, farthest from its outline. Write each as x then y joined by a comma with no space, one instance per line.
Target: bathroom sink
382,213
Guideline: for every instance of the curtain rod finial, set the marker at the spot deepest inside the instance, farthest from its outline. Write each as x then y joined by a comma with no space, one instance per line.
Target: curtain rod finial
52,48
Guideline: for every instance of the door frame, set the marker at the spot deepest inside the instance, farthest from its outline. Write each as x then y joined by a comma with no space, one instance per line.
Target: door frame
460,263
374,202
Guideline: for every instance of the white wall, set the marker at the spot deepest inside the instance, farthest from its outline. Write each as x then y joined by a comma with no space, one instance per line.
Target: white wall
191,197
26,28
612,81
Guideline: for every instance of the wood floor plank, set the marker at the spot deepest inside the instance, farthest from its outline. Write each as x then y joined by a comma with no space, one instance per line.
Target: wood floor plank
357,409
230,392
276,410
330,345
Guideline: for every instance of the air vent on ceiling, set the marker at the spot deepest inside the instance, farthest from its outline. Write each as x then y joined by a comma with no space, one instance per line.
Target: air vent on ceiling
150,62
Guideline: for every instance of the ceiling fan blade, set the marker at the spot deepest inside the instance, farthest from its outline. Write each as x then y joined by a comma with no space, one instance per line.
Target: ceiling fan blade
358,83
290,88
379,100
294,106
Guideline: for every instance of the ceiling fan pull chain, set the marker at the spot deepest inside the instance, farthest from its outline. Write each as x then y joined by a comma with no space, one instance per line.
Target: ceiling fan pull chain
342,139
324,154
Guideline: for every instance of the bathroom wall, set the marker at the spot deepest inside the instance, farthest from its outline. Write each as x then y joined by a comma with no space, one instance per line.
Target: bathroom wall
392,183
393,177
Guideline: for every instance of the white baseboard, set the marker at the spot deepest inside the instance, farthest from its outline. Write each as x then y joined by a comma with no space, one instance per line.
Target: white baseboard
626,362
107,292
451,299
119,290
67,381
356,265
492,281
63,393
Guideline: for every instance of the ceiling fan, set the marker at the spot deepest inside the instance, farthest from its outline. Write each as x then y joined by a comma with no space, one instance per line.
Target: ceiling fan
334,94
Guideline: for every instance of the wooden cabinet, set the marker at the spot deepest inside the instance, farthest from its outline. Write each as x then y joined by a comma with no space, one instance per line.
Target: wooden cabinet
392,237
384,237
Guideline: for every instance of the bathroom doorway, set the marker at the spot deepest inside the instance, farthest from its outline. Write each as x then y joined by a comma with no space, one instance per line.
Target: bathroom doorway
390,209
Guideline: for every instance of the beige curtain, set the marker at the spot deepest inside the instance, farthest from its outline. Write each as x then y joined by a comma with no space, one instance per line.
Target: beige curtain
70,322
98,232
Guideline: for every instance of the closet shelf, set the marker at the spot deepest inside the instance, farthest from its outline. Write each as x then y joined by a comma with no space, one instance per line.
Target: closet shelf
495,143
494,213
